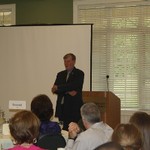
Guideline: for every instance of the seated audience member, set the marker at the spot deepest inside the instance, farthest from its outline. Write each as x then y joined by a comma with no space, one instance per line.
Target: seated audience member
142,121
96,132
42,107
109,146
128,136
24,128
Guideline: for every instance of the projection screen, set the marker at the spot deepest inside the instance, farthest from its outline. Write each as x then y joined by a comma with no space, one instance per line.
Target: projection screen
31,56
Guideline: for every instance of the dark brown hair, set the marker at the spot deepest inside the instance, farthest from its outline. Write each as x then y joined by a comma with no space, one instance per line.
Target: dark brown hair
42,107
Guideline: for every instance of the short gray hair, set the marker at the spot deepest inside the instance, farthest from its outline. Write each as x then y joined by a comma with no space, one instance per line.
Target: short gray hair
70,55
90,112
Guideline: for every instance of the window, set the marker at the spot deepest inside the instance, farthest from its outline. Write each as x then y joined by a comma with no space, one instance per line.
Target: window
7,15
121,49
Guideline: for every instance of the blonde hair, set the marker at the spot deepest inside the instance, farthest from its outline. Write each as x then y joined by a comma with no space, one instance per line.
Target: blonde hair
128,136
142,121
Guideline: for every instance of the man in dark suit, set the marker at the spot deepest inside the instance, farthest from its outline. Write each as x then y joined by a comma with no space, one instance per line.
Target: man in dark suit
68,87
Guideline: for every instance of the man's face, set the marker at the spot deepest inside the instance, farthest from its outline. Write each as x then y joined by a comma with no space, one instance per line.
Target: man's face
69,63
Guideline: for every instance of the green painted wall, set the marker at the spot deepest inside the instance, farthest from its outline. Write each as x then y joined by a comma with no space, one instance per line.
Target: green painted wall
42,11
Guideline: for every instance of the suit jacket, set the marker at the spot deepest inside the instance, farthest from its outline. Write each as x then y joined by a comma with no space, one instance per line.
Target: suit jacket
71,105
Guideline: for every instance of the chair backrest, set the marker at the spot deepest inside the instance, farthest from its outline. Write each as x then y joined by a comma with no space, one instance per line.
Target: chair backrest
51,142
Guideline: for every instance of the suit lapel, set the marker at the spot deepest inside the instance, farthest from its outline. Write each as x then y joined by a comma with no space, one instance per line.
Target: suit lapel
71,74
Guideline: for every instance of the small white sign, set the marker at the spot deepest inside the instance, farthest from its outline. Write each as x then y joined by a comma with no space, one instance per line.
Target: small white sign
5,129
17,104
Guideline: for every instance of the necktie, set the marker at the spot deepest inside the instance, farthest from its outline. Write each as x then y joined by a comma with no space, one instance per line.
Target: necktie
68,73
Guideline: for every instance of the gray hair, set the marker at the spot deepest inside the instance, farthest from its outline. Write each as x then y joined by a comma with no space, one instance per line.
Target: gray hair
90,112
70,55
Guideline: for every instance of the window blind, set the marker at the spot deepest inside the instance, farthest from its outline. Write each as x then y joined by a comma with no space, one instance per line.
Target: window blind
121,49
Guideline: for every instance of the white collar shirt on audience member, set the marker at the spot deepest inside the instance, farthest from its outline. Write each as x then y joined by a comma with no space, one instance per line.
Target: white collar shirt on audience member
94,136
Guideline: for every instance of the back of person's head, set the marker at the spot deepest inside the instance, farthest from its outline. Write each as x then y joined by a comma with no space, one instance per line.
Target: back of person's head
42,107
142,121
90,112
109,146
128,136
24,127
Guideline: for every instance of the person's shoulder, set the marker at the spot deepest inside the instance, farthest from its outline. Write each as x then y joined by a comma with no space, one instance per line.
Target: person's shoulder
106,128
55,124
78,70
49,123
50,127
84,134
62,72
16,147
105,125
34,147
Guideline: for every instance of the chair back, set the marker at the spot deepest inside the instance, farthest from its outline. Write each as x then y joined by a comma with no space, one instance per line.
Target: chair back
51,142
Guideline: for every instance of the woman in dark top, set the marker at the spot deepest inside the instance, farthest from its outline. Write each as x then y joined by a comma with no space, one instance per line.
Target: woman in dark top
42,107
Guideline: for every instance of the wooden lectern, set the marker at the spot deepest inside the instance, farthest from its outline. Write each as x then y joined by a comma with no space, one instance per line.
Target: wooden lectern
108,103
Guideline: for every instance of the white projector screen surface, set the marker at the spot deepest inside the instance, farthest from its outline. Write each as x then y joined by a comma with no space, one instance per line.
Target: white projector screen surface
31,56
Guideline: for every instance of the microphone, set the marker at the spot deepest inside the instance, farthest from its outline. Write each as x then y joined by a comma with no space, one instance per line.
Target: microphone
107,86
107,80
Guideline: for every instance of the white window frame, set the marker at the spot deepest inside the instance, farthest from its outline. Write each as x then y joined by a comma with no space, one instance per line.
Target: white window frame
12,8
103,3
